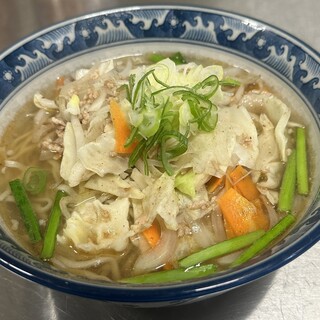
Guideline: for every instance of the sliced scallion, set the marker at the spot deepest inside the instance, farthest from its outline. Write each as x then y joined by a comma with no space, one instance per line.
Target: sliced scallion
155,115
50,236
221,249
263,242
288,185
28,215
177,58
173,275
230,82
302,162
34,180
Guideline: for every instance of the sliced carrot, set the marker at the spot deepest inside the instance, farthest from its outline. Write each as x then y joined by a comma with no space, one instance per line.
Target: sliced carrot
240,214
229,232
153,234
243,183
121,128
215,183
261,218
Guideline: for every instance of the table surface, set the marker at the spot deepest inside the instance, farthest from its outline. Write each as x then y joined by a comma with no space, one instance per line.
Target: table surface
289,293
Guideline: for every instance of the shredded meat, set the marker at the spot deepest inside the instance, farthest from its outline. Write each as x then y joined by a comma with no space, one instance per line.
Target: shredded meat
54,144
89,97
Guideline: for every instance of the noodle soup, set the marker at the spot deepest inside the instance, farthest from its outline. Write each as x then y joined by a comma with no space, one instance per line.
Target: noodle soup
153,168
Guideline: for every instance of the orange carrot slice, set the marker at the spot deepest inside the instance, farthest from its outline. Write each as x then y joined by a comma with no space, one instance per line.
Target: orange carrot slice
241,215
153,234
215,183
243,183
121,128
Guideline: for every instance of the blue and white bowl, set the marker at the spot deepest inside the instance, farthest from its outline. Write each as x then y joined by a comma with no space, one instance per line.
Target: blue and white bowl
288,62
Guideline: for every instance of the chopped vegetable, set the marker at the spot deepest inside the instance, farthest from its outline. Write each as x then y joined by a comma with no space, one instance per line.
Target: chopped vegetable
121,127
288,185
215,184
228,182
229,231
230,82
241,215
221,249
156,57
156,115
173,275
243,183
263,242
177,58
26,211
50,236
34,180
153,234
185,183
302,162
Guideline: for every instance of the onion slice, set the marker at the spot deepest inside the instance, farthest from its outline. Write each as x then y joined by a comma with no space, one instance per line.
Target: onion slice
159,255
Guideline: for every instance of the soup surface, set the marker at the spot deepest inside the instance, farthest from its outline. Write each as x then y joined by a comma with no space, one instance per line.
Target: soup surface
133,166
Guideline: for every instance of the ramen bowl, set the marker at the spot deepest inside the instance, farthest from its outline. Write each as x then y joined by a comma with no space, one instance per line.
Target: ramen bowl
285,61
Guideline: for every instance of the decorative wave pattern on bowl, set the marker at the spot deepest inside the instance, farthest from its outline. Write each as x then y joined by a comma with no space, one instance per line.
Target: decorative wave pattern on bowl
243,35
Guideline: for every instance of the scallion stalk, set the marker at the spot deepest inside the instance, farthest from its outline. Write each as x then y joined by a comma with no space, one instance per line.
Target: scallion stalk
221,249
50,236
265,240
28,215
288,185
173,275
302,162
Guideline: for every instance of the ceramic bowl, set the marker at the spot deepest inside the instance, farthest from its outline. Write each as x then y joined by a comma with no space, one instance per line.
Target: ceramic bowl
289,63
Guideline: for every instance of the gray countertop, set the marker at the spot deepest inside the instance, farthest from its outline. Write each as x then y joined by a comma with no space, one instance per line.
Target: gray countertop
289,293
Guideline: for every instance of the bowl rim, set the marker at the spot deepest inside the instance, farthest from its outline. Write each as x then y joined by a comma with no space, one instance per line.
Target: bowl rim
167,292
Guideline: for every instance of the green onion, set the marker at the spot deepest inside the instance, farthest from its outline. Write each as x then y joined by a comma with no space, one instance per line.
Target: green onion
49,242
288,185
179,148
178,58
139,89
230,82
221,249
302,164
265,240
173,275
156,120
28,216
211,82
151,122
156,57
34,180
